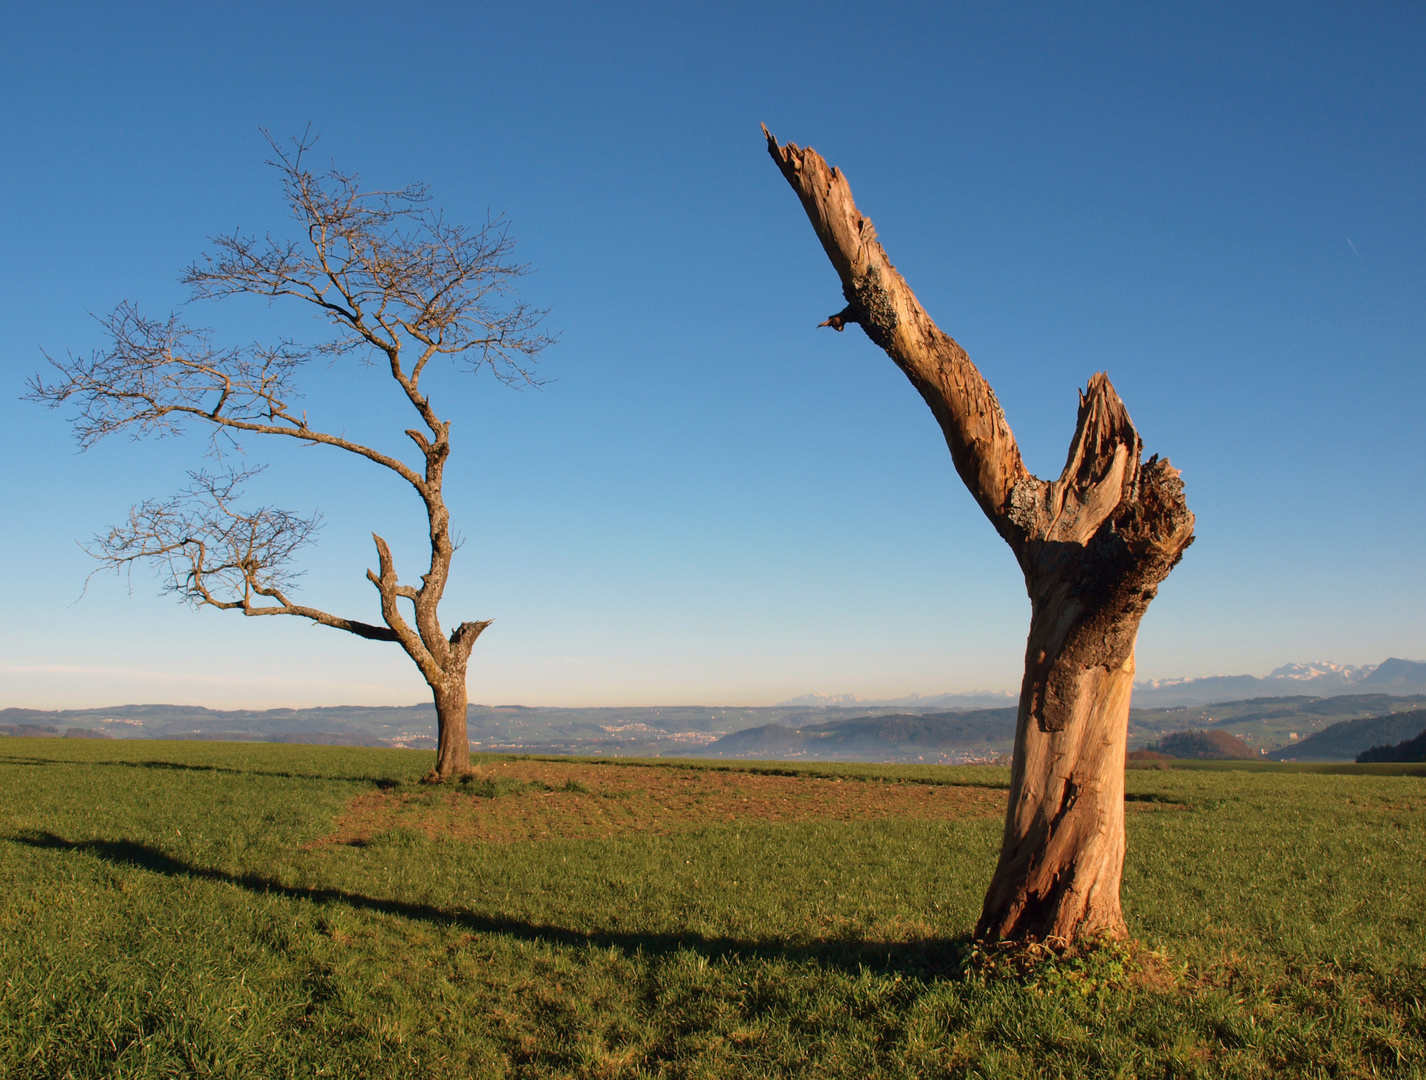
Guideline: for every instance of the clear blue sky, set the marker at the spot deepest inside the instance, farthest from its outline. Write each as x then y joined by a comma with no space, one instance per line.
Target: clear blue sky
712,501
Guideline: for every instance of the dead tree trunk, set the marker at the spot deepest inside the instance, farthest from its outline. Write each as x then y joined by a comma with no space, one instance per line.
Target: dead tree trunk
452,743
1093,545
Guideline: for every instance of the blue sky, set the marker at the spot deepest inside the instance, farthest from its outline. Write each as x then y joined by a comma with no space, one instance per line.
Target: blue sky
711,500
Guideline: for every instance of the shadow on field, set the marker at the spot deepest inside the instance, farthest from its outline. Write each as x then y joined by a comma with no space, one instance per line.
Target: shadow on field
178,766
933,956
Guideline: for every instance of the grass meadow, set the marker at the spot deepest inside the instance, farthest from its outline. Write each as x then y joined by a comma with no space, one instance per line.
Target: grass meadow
252,910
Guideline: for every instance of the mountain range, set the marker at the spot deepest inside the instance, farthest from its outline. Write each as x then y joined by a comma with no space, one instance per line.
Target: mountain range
975,699
1318,679
1281,715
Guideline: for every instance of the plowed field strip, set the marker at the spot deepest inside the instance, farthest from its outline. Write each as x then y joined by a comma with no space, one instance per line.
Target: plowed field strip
527,800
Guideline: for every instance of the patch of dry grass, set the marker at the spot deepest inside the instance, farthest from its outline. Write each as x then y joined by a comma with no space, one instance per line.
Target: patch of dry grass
509,801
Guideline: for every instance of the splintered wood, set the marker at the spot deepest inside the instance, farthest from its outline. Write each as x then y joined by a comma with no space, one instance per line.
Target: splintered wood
1093,545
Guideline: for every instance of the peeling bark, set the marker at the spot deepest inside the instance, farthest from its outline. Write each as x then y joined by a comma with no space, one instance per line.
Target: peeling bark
1093,545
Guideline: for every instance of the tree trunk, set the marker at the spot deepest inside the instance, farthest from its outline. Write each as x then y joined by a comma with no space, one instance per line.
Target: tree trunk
1098,543
1093,545
442,661
1063,849
452,743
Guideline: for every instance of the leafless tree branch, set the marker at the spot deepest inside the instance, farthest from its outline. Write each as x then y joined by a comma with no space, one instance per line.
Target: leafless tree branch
213,554
398,285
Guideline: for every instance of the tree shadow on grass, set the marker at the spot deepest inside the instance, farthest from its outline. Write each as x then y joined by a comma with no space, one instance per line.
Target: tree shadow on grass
383,782
924,958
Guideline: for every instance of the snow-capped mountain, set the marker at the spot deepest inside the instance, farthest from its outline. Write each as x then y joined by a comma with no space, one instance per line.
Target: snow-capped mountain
1323,671
823,700
1320,678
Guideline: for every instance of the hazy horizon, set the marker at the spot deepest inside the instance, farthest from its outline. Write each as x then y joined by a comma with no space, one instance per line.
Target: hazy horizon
264,703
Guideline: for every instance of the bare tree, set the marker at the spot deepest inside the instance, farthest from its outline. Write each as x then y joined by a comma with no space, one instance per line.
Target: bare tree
399,287
1093,545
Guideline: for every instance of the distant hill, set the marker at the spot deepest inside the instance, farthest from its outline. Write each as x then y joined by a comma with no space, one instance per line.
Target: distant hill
1337,705
1393,676
898,736
1318,679
648,731
1321,679
1286,725
1146,755
976,699
1205,691
1265,723
1205,745
1344,741
348,725
1410,750
40,731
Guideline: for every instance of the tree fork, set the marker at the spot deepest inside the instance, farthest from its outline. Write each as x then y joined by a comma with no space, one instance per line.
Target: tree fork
1093,546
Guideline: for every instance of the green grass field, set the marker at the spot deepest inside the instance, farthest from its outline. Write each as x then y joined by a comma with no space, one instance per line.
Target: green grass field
167,910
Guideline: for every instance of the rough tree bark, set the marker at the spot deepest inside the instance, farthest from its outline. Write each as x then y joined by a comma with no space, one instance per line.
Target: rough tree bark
1093,545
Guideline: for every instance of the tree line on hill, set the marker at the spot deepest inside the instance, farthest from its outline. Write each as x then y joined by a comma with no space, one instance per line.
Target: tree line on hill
1197,745
1413,749
1343,741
